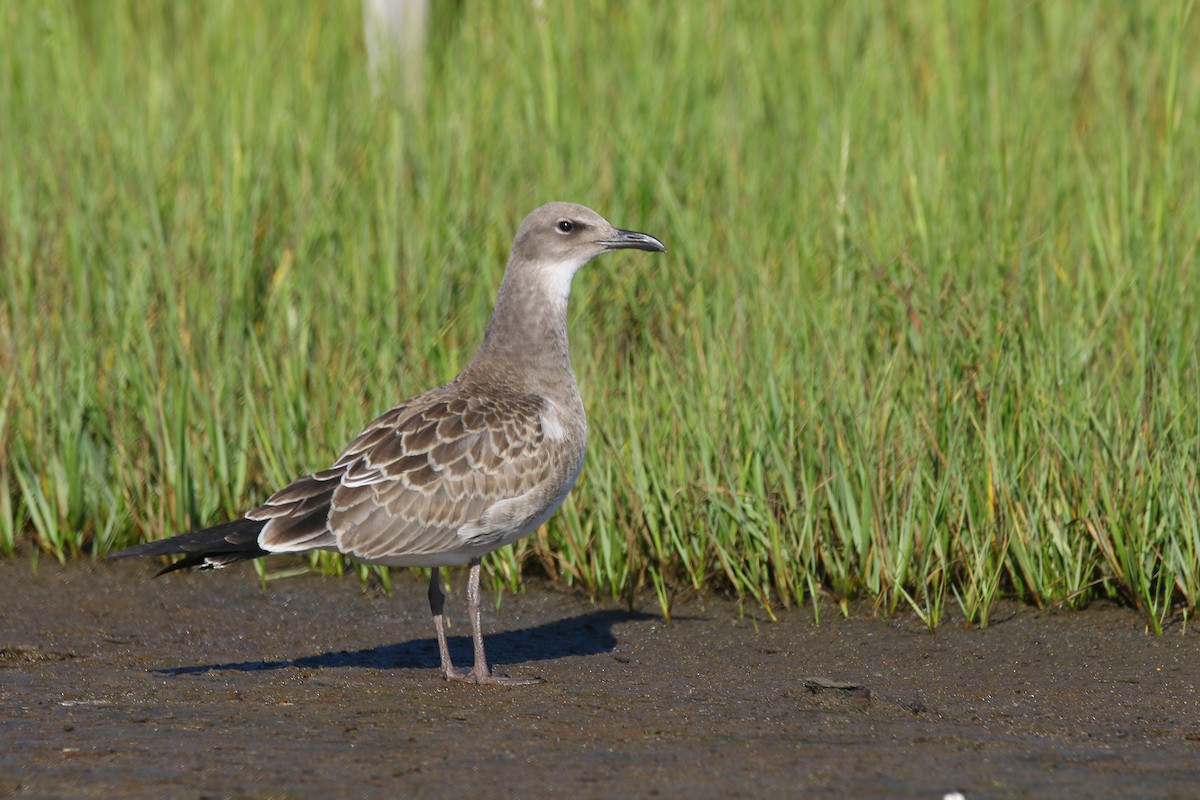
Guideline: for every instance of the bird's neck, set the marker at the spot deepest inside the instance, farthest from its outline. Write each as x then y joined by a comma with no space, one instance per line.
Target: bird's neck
528,332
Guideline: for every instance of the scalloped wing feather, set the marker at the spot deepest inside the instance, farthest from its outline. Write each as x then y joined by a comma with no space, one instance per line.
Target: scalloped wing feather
442,474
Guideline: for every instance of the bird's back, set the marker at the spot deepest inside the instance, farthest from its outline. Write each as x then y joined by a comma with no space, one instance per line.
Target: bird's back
447,476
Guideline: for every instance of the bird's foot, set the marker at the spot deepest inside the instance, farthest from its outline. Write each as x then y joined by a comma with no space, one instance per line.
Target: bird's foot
465,675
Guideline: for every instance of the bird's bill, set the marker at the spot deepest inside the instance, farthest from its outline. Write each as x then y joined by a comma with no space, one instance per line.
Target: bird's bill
632,240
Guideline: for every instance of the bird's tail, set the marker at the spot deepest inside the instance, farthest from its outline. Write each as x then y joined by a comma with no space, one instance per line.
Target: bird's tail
218,546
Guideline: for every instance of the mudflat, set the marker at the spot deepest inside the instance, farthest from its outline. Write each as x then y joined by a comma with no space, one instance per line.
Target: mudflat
205,685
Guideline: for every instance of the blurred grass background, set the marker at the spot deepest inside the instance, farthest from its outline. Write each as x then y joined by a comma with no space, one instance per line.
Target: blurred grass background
927,332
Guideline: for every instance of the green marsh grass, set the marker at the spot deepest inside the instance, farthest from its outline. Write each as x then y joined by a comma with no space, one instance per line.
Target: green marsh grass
926,334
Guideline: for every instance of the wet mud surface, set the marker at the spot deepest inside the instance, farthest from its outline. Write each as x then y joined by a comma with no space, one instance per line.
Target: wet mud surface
204,685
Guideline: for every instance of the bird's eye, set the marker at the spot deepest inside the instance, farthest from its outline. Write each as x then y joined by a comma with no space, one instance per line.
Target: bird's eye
565,225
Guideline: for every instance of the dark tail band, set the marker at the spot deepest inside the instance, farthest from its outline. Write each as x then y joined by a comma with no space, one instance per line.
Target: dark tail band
217,546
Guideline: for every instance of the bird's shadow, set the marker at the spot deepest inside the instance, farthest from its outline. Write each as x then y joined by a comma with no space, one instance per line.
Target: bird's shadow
584,635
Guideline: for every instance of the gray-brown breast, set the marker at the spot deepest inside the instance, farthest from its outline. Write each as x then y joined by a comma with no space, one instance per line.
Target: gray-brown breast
421,472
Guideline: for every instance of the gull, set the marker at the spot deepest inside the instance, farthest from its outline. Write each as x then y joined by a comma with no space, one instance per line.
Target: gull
450,475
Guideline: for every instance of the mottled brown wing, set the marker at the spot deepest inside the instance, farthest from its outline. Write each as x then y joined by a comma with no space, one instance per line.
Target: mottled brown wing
297,516
420,478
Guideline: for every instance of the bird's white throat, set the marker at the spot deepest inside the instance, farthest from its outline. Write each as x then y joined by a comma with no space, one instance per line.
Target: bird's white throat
555,278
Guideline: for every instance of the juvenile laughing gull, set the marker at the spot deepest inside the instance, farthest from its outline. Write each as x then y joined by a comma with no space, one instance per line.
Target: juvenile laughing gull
461,470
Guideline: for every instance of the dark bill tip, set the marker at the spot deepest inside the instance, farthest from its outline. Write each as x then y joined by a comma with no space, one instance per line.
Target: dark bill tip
632,240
